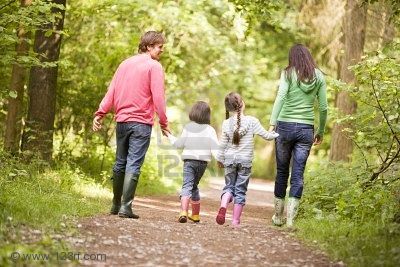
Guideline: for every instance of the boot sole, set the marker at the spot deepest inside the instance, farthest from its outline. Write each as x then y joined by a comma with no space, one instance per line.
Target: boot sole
220,219
278,224
182,219
195,221
123,215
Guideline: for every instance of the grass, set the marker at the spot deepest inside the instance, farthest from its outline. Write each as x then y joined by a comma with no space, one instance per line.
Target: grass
38,199
49,201
357,244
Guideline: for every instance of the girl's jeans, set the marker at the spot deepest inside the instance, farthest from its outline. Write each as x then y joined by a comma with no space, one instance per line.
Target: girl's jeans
193,170
237,177
293,143
133,140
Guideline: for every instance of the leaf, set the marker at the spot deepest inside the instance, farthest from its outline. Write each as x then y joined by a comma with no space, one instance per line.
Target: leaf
13,94
48,33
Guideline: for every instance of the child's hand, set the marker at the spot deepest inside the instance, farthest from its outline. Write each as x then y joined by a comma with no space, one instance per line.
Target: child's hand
272,135
317,139
220,165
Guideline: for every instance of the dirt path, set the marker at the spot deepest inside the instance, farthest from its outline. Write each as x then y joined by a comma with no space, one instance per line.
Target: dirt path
157,239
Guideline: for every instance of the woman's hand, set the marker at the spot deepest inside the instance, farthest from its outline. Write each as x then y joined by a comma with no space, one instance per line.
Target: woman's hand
271,128
318,139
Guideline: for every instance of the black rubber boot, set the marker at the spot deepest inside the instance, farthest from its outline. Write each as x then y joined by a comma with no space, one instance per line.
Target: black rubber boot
118,184
130,183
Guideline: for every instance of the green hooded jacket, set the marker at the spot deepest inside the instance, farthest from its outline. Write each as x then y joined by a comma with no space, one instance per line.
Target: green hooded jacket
295,100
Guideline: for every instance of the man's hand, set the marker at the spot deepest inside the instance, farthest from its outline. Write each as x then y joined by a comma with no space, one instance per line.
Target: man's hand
317,139
165,131
97,123
220,165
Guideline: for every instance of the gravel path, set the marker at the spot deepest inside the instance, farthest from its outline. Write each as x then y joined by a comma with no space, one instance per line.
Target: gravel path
157,239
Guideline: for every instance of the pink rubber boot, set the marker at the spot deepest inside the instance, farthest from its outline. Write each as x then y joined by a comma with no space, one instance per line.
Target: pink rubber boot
225,200
184,209
237,212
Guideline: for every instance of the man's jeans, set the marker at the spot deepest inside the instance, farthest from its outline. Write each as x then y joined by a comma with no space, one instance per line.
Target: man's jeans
294,143
133,140
237,177
193,170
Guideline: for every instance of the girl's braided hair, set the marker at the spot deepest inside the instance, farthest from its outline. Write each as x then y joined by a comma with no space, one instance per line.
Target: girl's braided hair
234,102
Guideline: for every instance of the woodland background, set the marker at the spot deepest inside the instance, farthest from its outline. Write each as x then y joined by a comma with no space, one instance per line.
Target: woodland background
57,58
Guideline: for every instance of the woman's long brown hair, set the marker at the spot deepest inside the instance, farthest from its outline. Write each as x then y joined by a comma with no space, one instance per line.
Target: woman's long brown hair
301,61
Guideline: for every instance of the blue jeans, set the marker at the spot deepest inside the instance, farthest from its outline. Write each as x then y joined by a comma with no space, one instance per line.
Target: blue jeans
193,170
293,144
133,140
237,177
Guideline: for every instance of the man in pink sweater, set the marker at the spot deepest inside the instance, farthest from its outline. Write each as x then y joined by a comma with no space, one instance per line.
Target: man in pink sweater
135,93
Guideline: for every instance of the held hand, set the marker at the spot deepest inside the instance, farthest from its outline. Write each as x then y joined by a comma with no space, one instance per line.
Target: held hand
317,139
165,131
97,123
271,128
220,165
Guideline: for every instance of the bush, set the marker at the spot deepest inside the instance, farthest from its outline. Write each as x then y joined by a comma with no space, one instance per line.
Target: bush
353,224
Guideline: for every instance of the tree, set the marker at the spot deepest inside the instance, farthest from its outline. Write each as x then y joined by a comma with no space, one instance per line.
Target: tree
18,79
38,132
354,38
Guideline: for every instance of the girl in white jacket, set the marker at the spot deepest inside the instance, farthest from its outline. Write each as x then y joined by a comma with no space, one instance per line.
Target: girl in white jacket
199,142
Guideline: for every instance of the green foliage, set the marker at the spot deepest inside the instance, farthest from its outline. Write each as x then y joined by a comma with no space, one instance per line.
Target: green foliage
327,195
368,244
12,18
15,20
376,123
356,225
259,10
394,8
206,56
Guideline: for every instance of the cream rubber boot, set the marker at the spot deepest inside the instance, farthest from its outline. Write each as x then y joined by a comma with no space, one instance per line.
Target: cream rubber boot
292,208
277,218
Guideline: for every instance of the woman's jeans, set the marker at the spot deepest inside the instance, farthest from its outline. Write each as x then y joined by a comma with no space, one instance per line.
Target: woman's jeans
237,177
193,170
133,140
293,144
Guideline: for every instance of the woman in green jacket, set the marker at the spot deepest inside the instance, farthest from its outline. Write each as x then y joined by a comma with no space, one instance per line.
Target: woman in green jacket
301,83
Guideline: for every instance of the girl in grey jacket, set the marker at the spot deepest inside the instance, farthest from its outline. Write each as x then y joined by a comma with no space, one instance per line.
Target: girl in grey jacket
236,155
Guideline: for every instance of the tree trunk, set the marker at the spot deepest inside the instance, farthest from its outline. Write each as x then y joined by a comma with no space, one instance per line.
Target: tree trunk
39,127
354,37
18,77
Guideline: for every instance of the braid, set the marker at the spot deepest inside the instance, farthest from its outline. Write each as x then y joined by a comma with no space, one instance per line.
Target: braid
236,135
226,114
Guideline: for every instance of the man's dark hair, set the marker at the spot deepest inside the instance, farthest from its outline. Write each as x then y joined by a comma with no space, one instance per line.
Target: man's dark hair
200,113
150,38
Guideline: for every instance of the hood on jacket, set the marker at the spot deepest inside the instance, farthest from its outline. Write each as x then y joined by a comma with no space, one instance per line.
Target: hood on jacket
306,87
